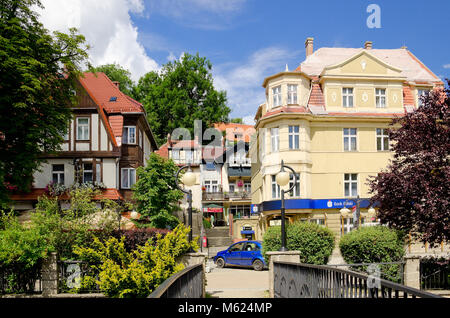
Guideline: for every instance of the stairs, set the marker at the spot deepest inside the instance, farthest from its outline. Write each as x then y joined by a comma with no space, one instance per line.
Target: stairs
218,239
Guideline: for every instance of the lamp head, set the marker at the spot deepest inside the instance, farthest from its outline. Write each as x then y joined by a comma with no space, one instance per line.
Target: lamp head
282,177
344,212
372,212
189,178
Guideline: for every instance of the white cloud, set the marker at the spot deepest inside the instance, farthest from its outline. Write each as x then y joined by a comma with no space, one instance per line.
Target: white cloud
243,81
447,66
202,14
107,27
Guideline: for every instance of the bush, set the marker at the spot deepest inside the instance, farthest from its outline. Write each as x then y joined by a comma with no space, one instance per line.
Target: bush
124,274
375,244
138,237
314,242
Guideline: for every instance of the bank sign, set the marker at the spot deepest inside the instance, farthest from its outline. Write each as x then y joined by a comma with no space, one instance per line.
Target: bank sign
314,204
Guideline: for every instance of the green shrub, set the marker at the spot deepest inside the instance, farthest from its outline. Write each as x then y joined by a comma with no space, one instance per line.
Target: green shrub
314,242
124,274
375,244
206,223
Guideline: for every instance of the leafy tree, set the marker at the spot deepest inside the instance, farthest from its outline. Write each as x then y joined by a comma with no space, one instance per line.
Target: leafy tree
117,73
413,194
236,121
180,93
37,80
156,191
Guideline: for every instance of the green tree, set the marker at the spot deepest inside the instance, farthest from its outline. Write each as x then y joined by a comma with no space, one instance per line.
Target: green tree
38,71
117,73
156,191
182,92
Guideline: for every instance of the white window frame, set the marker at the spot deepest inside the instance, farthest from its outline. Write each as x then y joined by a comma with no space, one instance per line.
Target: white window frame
130,180
294,137
85,132
189,156
141,139
91,171
380,98
349,136
347,97
318,221
248,187
292,94
350,179
276,190
58,173
275,139
421,92
276,96
98,172
295,194
126,138
382,136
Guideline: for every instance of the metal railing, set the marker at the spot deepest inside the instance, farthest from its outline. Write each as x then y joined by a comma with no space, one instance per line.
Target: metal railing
294,280
188,283
392,271
19,280
435,275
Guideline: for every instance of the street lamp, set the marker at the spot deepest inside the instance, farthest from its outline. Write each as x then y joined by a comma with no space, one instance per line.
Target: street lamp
282,179
188,180
345,211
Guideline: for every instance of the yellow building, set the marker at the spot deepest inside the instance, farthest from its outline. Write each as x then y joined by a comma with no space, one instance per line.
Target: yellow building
327,120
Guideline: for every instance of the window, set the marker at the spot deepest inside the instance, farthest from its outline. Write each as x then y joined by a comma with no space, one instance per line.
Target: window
347,97
129,135
275,139
58,174
237,247
65,135
294,137
292,94
189,156
380,97
175,154
98,172
382,139
318,221
296,191
350,185
276,91
211,186
82,128
420,94
88,173
252,247
240,211
141,139
276,191
128,177
232,187
350,135
247,187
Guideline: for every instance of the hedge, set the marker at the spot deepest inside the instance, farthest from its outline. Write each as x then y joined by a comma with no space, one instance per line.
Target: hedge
314,242
375,244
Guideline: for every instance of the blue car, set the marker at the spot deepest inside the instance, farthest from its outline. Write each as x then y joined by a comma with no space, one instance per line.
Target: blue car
246,253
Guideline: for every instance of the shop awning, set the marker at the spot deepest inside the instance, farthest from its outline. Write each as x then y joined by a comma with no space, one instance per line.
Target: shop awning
213,208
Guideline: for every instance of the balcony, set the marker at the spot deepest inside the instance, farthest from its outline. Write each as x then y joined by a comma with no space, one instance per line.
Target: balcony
238,170
214,196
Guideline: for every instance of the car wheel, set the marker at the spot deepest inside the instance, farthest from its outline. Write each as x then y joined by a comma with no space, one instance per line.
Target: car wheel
258,265
220,262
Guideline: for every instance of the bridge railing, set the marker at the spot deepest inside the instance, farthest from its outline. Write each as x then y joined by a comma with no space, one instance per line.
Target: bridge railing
188,283
294,280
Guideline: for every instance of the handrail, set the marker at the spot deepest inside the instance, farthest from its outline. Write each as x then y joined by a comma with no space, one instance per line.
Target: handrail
385,284
175,286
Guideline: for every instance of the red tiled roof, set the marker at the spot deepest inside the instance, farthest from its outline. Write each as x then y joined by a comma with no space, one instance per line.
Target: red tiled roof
408,98
316,98
232,128
163,151
116,122
287,109
103,89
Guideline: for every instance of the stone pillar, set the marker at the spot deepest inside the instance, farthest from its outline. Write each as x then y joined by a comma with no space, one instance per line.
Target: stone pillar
288,256
50,275
412,272
190,259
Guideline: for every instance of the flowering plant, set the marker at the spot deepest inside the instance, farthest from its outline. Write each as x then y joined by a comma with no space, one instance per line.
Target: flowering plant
240,183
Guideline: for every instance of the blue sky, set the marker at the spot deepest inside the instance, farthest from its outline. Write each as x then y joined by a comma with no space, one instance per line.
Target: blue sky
248,40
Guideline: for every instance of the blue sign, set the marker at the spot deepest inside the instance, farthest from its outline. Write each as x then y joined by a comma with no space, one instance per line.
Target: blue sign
321,204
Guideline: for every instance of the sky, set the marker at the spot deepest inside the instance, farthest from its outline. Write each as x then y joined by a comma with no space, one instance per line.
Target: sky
248,40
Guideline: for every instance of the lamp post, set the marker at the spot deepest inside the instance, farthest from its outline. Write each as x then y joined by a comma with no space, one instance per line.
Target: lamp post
282,179
188,180
345,211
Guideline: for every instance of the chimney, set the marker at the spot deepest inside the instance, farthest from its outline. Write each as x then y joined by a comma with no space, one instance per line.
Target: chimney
368,45
309,46
116,83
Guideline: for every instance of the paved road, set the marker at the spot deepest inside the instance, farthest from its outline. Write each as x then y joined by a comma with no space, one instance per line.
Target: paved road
237,283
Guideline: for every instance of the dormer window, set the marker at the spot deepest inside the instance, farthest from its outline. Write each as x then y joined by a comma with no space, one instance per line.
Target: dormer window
113,99
420,94
276,92
292,94
347,97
